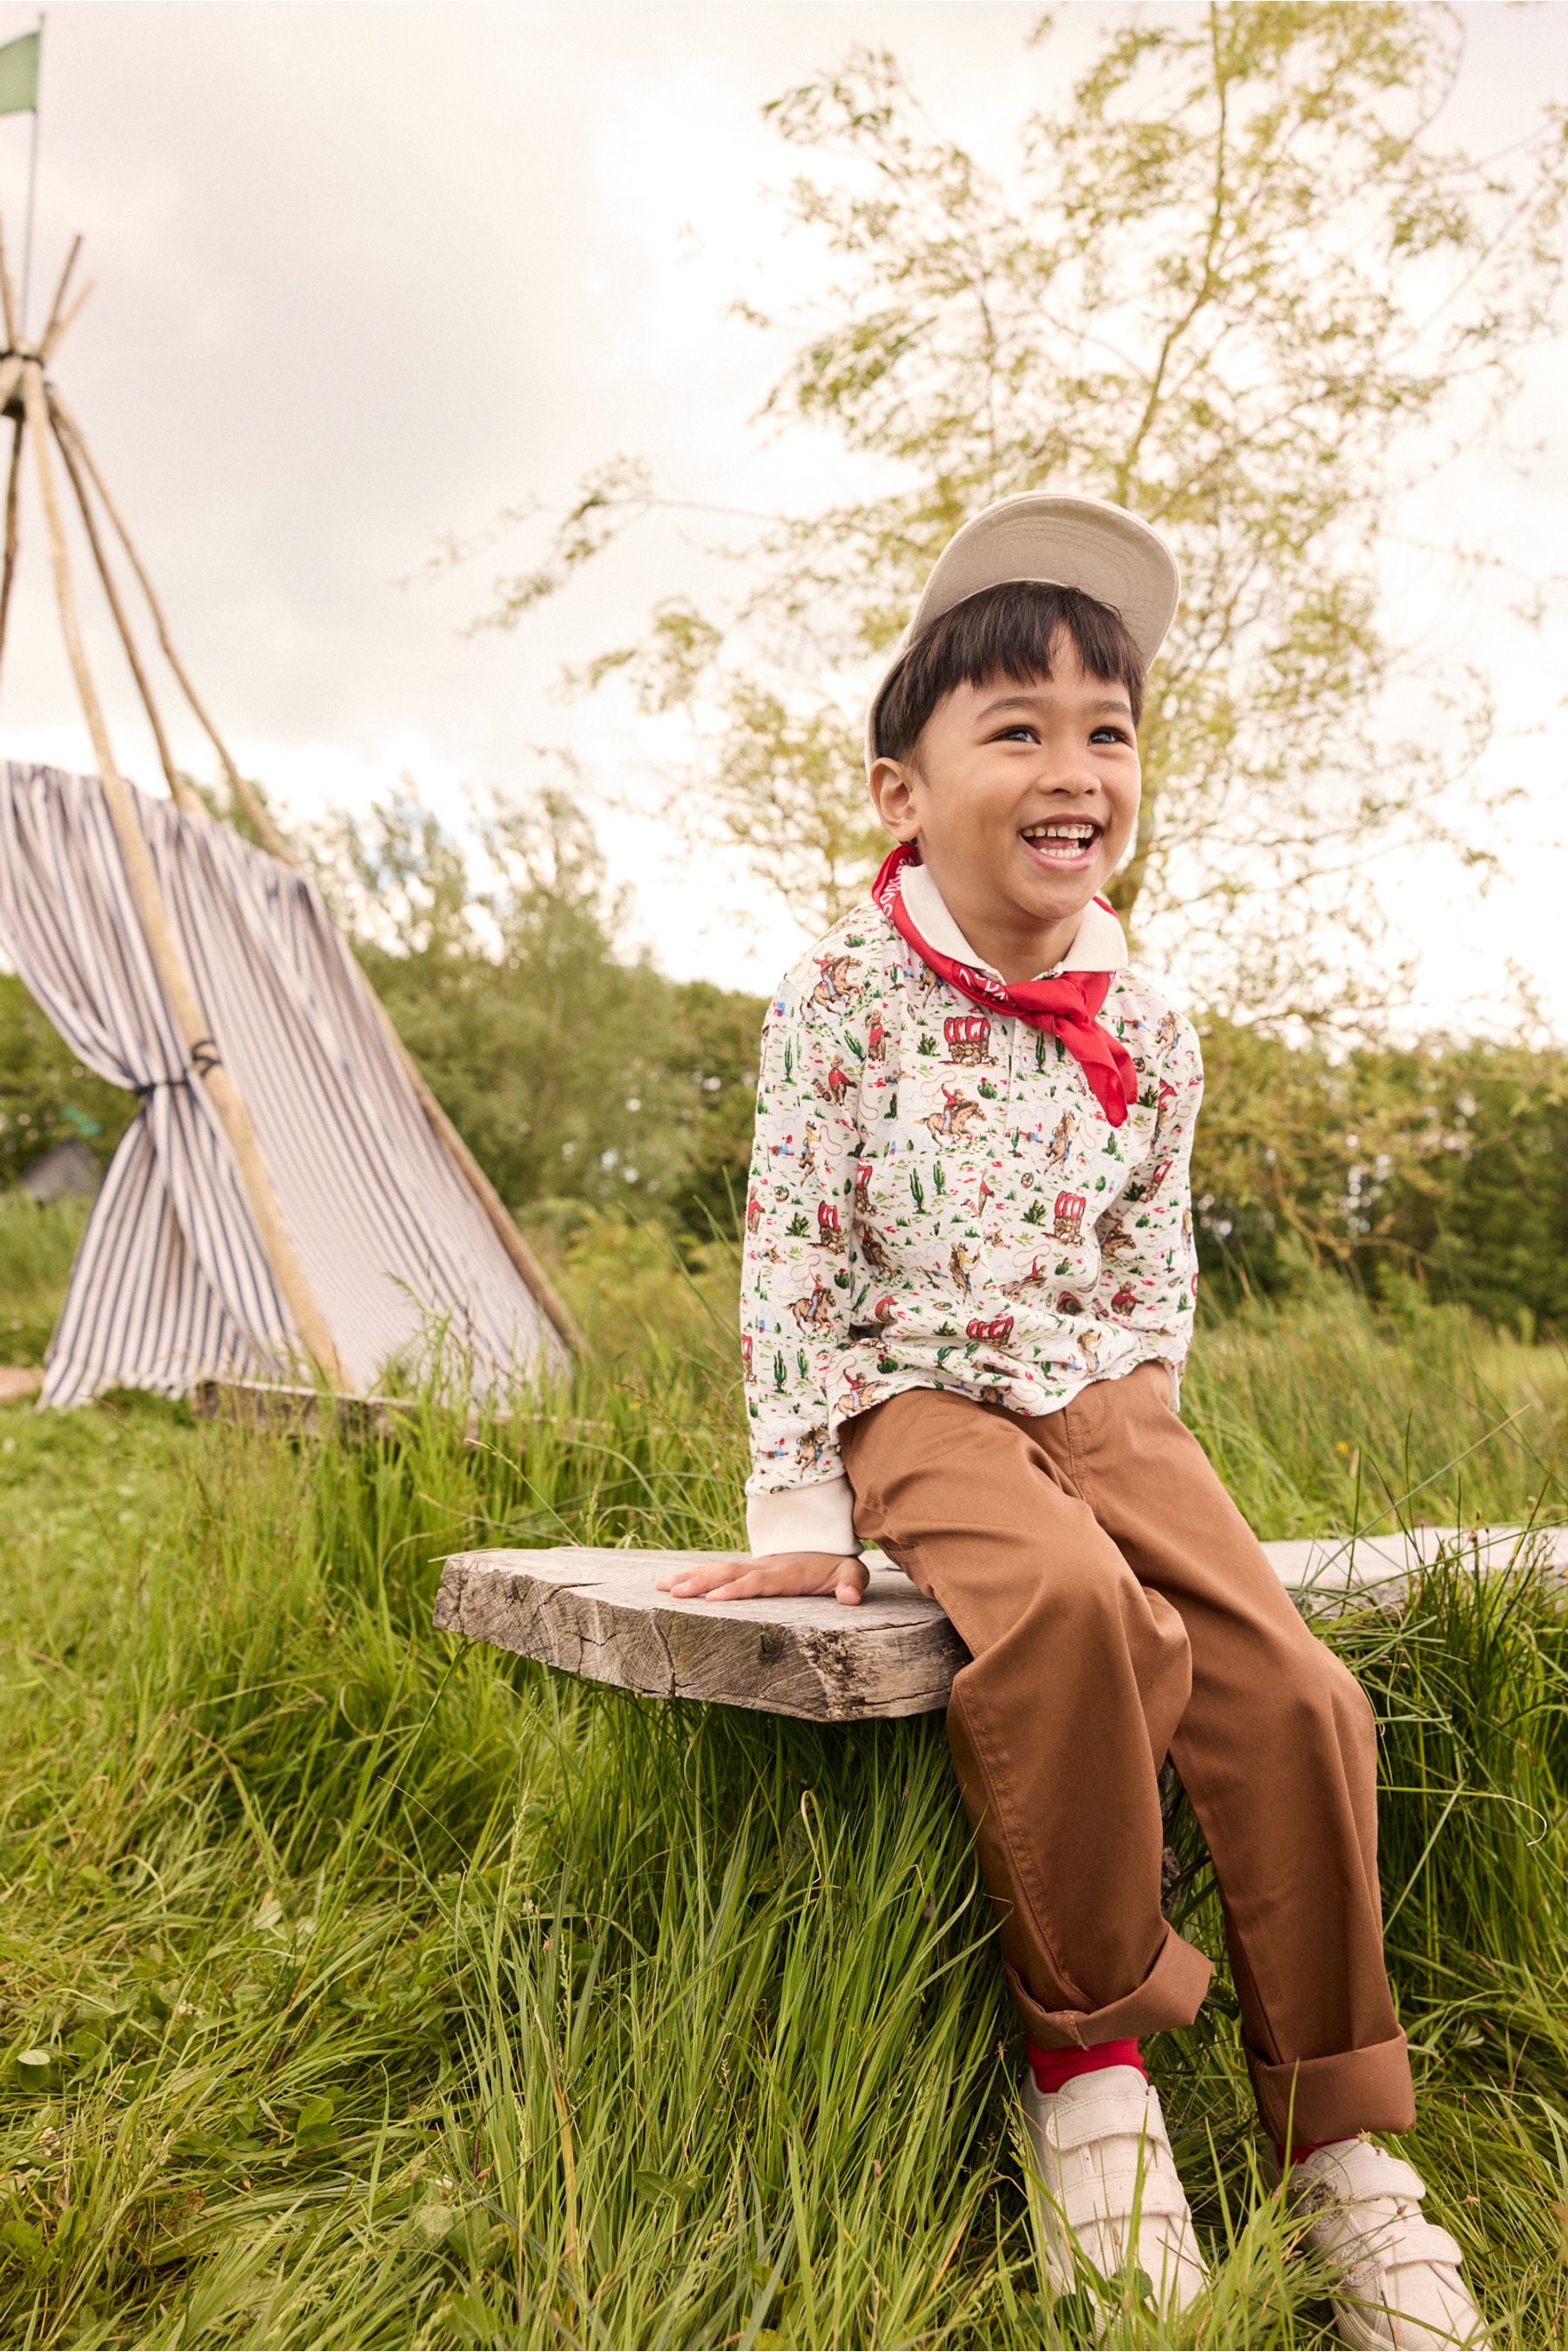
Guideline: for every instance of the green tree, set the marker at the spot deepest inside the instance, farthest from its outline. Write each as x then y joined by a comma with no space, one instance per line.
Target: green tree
574,1070
1235,279
1483,1210
1440,1164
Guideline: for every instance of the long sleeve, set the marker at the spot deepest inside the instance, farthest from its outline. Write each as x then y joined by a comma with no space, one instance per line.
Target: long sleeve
1148,1269
795,1287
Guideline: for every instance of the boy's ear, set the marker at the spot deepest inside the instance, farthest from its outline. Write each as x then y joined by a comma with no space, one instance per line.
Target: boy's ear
892,797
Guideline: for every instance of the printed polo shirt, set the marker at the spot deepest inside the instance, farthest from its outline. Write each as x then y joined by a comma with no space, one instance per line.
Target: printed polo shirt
936,1201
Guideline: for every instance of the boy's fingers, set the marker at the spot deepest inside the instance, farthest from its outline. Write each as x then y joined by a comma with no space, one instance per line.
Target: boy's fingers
691,1583
744,1583
853,1578
738,1580
734,1581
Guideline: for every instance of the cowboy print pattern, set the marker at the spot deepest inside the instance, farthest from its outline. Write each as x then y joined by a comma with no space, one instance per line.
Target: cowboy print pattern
936,1201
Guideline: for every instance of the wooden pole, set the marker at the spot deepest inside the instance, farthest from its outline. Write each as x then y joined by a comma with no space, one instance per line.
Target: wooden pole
50,324
32,187
13,481
61,327
179,790
255,810
495,1209
168,959
10,376
7,295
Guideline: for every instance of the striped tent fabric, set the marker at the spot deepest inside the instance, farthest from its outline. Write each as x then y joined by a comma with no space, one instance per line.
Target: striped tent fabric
171,1283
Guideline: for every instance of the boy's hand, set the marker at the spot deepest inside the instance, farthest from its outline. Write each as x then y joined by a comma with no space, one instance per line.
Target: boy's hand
774,1571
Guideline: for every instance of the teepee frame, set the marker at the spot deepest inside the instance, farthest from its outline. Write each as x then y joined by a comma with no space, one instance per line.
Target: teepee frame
41,420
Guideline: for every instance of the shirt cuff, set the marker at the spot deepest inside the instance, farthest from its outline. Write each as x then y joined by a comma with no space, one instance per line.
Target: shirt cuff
804,1518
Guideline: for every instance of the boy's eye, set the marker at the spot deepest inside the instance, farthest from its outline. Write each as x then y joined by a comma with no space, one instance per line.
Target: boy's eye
1021,732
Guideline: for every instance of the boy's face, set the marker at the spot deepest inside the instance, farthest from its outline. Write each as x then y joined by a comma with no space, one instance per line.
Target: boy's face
1022,794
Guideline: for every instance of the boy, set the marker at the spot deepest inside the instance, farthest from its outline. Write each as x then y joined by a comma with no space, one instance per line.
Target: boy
967,1297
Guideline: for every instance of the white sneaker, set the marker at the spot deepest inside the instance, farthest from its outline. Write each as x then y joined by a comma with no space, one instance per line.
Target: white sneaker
1114,2196
1400,2282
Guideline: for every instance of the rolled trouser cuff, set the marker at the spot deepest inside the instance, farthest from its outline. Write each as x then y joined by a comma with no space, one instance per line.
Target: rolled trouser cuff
1172,1993
1335,2097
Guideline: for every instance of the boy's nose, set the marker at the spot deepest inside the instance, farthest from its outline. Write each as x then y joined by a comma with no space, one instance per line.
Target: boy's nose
1072,780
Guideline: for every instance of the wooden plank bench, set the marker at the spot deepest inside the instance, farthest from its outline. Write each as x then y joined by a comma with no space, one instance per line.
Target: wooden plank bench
598,1614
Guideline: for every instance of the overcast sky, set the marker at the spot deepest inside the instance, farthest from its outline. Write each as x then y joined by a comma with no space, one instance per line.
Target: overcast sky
366,273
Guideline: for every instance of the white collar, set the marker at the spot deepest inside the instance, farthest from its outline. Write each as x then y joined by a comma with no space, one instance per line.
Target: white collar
1099,944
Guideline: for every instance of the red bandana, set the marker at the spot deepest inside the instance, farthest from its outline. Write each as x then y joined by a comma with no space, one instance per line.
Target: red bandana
1064,1007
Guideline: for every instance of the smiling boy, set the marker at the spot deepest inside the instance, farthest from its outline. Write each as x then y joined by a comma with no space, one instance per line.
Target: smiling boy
967,1297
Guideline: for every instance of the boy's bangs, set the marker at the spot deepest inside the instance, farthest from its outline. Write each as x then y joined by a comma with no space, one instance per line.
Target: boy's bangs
1005,632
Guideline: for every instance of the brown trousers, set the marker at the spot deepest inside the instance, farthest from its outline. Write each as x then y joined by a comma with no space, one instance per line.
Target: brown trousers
1117,1609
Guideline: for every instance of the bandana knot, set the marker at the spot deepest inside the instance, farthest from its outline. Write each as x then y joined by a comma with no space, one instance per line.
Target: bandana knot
1064,1007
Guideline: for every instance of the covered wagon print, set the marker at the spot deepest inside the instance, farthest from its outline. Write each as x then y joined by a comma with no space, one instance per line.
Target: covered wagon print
968,1036
1067,1222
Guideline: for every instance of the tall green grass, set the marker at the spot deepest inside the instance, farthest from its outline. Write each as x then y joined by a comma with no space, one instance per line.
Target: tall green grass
367,1988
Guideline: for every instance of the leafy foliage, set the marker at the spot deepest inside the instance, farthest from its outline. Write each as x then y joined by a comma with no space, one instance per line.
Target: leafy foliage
1444,1165
574,1070
1233,279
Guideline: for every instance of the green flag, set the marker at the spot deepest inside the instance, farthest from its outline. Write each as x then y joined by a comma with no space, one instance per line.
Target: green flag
19,75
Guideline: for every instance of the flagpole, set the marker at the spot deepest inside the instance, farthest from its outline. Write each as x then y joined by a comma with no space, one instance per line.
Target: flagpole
32,182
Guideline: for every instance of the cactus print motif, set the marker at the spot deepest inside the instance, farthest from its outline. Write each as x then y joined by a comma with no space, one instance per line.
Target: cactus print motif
936,1200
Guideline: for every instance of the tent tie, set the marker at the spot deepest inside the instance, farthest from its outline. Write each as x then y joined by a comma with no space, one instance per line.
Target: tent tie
205,1056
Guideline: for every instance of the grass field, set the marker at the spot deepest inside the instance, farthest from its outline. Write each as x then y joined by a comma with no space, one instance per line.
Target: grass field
361,1989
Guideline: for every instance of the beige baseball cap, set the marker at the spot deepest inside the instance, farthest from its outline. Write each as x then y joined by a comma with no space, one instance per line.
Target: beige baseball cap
1063,542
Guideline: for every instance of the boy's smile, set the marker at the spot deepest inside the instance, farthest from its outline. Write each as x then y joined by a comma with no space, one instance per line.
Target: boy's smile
1065,844
1021,795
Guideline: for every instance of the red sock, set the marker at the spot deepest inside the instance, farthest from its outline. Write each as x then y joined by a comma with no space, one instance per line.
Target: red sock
1052,2068
1300,2152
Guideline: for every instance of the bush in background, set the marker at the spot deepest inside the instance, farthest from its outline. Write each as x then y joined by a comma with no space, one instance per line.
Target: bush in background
46,1094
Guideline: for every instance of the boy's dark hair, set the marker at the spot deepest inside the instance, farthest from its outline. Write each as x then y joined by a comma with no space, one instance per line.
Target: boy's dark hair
1003,632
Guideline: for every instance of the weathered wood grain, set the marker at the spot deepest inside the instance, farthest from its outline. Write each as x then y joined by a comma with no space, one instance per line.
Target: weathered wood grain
598,1614
1319,1569
302,1411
